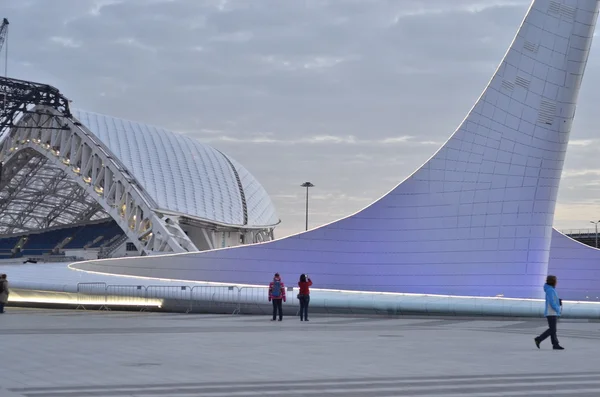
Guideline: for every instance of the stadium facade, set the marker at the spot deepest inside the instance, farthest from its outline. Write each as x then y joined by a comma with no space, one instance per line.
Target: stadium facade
102,185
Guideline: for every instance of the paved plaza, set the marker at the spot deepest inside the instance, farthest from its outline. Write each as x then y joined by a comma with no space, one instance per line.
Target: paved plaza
59,353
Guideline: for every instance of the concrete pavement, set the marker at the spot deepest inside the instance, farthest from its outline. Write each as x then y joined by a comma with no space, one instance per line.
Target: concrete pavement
63,353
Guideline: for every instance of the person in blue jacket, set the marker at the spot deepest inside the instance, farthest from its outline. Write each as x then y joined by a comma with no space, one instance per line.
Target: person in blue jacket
552,313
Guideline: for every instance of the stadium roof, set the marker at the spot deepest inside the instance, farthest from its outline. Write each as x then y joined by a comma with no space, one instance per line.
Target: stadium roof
183,176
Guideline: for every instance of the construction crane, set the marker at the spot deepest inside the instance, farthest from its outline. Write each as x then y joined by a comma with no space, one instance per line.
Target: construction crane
3,35
3,32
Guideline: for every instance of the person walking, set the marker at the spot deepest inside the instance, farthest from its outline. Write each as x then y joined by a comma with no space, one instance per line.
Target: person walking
3,292
304,296
277,296
552,312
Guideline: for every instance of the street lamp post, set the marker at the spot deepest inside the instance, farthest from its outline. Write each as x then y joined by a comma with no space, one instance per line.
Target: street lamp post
307,185
596,224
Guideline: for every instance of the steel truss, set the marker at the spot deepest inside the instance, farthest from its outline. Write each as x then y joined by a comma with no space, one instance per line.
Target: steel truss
17,97
36,195
57,172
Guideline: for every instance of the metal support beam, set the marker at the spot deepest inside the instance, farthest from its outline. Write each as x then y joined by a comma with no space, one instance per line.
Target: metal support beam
82,179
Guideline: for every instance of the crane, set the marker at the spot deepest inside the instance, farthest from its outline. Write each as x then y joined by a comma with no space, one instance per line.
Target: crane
3,32
3,35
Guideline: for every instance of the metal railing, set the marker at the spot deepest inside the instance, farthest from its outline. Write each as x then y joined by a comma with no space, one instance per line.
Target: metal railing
579,232
178,296
211,298
91,294
254,300
200,298
127,295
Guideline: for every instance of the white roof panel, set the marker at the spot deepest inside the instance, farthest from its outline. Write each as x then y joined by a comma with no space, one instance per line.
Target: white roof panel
183,175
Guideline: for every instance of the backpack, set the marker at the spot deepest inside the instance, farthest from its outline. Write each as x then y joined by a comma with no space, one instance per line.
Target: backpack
276,292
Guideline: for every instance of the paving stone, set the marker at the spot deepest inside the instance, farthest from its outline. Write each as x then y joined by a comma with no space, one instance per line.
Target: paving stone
64,353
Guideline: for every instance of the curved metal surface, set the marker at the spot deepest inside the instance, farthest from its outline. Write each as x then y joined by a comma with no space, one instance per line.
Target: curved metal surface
475,220
577,267
182,175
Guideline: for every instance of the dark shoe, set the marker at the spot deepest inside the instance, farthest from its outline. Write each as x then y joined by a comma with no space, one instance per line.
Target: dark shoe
280,319
305,319
558,347
301,319
273,320
537,342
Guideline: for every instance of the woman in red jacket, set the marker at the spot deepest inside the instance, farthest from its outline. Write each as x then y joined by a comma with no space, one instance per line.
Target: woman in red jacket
304,296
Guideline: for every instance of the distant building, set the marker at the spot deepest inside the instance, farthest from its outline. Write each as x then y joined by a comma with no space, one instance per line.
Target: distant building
97,185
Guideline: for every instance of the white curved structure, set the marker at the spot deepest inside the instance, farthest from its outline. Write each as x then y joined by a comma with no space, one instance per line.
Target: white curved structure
182,176
168,193
476,219
57,284
577,267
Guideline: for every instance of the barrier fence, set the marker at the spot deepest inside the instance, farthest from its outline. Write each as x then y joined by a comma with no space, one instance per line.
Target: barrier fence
254,300
228,299
127,295
91,294
178,296
210,298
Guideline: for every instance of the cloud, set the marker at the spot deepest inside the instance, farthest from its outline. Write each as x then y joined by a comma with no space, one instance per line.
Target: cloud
98,5
471,7
310,63
570,173
65,41
21,4
270,139
135,43
322,62
233,37
582,142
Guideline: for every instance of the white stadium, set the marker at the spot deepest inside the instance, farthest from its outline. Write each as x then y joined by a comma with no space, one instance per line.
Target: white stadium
94,186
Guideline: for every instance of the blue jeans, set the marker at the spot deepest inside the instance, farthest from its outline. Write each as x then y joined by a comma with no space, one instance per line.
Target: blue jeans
304,301
1,307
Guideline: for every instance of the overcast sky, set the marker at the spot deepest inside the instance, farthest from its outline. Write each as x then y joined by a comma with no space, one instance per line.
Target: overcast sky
352,95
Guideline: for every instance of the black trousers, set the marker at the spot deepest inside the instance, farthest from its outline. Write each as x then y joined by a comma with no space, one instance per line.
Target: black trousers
550,332
304,301
277,307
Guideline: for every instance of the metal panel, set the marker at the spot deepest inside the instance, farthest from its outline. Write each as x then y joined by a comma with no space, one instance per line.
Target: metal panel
183,175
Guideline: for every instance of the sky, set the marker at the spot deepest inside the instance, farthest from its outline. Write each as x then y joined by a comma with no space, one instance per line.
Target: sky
351,95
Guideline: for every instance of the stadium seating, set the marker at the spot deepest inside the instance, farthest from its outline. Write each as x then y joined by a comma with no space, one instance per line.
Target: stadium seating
44,243
82,237
40,244
7,245
106,231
